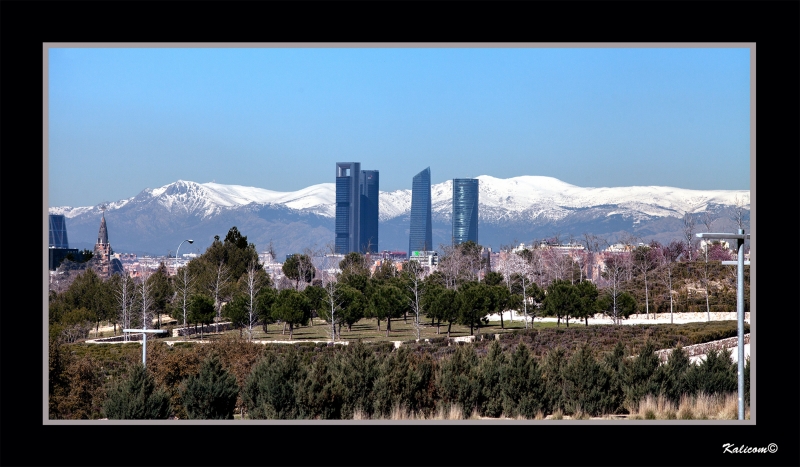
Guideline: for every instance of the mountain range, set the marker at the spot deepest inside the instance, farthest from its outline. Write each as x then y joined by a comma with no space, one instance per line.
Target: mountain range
512,210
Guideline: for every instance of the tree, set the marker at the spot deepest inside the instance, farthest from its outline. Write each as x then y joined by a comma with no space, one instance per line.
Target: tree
201,311
587,296
291,307
523,386
639,375
161,291
585,383
667,255
458,380
414,273
219,289
136,398
440,304
562,300
264,301
144,292
212,393
183,288
125,299
274,389
475,301
620,308
255,280
645,260
688,233
386,301
519,267
236,311
614,273
491,369
299,268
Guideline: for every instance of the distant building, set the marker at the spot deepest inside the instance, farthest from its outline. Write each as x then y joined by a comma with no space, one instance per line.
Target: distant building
107,264
420,237
465,210
425,258
356,209
396,256
58,231
58,248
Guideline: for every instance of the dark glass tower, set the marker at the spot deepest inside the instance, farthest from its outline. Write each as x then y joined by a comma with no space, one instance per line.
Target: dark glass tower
369,188
347,203
465,210
420,236
58,231
356,209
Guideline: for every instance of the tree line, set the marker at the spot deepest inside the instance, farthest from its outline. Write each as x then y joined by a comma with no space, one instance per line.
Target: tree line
312,382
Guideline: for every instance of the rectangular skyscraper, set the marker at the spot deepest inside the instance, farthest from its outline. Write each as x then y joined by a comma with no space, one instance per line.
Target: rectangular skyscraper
420,236
465,210
356,209
369,187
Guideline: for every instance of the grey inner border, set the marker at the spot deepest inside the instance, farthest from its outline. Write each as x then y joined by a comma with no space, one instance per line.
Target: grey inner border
45,239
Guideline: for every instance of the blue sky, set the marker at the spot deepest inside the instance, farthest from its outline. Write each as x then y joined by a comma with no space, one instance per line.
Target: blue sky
125,119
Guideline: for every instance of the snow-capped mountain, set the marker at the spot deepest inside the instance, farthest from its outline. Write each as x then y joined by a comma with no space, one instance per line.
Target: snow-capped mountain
524,208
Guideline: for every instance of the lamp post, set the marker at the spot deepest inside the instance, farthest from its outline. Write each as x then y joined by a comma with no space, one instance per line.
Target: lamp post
176,254
740,237
144,340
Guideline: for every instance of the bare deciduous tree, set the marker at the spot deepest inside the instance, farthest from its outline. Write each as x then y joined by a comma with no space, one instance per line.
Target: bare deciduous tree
218,289
183,288
126,296
253,283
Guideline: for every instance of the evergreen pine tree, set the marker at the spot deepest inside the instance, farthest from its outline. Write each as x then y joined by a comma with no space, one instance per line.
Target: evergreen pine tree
136,398
640,377
211,394
522,385
491,370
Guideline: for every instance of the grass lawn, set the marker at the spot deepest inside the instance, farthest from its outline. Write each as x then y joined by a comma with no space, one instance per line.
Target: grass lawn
367,331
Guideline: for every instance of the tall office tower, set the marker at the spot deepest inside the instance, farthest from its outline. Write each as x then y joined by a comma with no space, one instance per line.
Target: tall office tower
420,237
348,200
356,209
58,231
369,189
465,210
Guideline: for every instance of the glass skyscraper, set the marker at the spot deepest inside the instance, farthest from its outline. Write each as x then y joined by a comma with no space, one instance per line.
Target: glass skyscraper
420,237
356,209
58,231
368,237
465,210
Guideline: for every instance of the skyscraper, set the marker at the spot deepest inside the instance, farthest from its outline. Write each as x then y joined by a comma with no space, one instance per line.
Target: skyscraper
420,237
368,237
58,231
356,209
465,210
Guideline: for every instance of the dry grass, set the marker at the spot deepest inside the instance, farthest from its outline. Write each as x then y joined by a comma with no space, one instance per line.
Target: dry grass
700,407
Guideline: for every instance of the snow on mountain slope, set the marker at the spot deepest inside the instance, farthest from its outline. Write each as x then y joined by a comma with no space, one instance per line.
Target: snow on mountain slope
517,198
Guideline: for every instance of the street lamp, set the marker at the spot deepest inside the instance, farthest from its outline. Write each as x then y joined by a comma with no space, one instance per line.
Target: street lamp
740,237
176,254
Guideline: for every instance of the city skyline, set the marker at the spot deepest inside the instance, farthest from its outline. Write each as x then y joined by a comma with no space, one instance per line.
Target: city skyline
588,116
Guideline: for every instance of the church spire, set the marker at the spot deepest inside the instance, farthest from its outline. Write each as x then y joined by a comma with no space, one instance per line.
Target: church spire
102,236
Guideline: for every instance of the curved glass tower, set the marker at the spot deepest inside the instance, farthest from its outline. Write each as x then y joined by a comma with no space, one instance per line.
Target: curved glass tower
58,231
420,236
465,210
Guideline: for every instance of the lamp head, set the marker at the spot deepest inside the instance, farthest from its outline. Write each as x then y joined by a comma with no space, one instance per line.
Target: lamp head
191,241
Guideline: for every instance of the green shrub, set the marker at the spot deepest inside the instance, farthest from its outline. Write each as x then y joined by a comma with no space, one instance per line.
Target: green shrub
136,398
211,394
274,389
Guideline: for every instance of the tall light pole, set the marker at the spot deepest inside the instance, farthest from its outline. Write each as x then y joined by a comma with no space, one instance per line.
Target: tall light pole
176,253
740,237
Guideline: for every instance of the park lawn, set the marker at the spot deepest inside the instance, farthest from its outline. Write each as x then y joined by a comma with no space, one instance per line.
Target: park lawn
366,330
